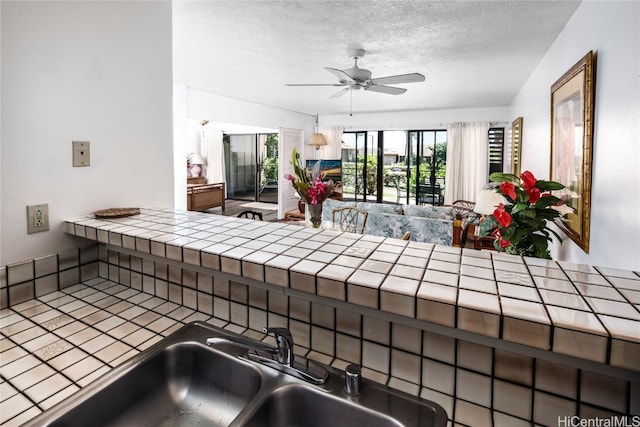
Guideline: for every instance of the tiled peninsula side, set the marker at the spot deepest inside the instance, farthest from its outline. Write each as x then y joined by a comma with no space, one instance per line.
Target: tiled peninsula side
495,339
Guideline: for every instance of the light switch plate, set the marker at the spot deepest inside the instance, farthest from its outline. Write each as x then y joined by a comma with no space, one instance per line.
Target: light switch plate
81,153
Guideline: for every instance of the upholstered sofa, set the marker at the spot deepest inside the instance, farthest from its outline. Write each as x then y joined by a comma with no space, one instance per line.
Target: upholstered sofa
424,223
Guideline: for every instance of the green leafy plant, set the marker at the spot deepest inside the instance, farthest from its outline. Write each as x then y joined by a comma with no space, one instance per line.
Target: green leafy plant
371,176
520,224
271,168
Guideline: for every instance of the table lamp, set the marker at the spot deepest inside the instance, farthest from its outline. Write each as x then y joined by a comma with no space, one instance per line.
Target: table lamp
317,140
488,199
195,161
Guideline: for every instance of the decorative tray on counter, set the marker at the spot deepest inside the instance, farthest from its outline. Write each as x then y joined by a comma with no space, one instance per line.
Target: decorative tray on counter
117,212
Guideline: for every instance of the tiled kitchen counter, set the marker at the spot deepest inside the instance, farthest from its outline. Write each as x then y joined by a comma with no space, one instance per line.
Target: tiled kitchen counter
496,340
575,310
60,342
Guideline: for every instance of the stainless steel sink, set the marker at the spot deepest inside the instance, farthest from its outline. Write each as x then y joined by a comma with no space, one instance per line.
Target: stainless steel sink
295,405
182,384
181,381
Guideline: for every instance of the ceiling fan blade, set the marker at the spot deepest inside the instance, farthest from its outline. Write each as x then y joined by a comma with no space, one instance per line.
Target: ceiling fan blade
339,93
314,84
386,89
400,78
340,75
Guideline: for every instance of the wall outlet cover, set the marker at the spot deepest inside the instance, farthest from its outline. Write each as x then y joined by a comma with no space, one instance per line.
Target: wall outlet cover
37,218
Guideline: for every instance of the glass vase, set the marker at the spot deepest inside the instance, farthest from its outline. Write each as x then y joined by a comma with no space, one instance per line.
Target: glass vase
313,215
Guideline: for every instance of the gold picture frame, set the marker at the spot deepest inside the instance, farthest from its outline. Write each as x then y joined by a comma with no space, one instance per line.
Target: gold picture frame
572,104
516,146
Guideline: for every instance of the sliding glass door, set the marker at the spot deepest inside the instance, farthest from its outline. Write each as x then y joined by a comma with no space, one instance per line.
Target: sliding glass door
353,165
240,165
394,166
395,174
427,162
251,163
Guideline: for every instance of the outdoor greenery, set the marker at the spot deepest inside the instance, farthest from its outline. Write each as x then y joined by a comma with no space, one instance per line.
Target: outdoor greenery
270,169
440,157
272,145
371,174
364,182
270,166
393,176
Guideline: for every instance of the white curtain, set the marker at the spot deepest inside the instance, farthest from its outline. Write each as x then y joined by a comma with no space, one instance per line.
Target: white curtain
213,152
467,160
333,135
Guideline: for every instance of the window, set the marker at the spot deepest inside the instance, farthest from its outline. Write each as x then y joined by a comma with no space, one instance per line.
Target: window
496,150
394,166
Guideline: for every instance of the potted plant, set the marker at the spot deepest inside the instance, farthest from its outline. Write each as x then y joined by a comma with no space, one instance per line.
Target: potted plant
519,225
310,187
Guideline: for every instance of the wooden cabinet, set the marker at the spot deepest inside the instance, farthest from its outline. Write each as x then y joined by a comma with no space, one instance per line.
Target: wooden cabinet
207,196
196,180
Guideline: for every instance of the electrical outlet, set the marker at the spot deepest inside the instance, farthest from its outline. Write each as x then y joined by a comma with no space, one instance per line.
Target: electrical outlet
37,218
81,153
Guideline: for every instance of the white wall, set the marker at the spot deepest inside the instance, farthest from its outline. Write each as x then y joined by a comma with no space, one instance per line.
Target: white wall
180,145
194,137
218,108
96,71
221,109
612,31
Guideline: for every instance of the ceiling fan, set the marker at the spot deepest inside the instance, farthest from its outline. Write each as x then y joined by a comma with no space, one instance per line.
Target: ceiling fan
356,78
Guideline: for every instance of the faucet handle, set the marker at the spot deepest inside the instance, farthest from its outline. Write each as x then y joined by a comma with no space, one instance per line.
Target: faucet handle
352,380
284,340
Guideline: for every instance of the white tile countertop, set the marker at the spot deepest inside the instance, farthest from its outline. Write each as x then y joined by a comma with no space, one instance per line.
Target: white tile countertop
592,313
57,344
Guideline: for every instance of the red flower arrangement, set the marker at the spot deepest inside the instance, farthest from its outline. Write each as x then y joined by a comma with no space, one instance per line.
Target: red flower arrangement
310,186
520,224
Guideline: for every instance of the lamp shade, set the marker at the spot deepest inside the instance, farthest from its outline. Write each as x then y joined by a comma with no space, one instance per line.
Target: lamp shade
488,199
195,159
317,140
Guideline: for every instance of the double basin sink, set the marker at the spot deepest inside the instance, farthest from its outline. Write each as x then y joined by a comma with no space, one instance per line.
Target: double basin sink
182,381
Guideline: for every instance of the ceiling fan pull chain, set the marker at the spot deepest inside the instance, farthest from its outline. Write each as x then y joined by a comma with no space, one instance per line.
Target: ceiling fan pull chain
351,105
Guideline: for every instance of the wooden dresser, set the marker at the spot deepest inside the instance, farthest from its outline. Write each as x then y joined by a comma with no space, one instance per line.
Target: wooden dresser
196,180
205,196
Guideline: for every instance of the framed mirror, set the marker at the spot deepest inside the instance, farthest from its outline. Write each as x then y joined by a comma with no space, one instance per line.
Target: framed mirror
516,145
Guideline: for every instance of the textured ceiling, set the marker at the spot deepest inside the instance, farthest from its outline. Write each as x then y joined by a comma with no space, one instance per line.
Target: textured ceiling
473,53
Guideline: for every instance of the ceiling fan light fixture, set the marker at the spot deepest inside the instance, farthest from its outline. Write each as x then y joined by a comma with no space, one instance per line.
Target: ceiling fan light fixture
317,140
358,74
356,78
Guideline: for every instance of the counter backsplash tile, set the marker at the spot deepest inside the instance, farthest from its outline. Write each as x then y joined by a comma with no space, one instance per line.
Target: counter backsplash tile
406,338
475,357
20,272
